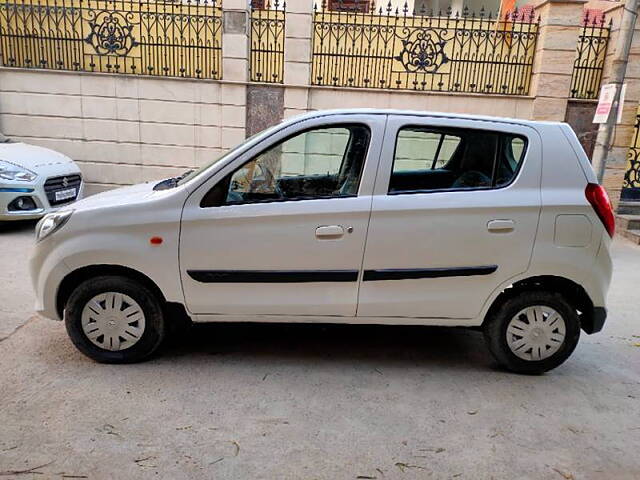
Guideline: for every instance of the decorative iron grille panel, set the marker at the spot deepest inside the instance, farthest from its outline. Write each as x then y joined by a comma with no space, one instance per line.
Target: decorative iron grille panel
591,53
267,41
631,185
169,38
450,53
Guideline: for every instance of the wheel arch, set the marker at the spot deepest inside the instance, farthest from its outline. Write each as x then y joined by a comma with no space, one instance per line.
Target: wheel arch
574,293
76,277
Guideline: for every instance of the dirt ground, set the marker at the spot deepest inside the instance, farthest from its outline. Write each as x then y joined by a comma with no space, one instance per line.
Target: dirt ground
313,401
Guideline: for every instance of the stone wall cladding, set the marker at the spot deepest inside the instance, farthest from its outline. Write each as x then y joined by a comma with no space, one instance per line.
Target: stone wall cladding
580,116
122,129
129,129
299,100
265,107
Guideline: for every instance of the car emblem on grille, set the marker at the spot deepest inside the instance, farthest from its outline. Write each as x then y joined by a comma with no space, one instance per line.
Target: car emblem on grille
65,182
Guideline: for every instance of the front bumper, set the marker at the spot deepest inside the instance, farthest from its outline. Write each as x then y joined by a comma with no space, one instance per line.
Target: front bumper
47,272
9,194
9,191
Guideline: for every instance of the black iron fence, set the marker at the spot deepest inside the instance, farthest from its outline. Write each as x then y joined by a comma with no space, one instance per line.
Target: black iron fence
355,43
267,41
631,185
392,49
169,38
590,58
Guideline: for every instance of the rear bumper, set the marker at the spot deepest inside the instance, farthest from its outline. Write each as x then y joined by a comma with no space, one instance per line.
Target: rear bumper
594,322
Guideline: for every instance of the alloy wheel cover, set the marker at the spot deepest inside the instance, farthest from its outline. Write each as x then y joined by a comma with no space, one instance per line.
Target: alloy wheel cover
113,321
535,333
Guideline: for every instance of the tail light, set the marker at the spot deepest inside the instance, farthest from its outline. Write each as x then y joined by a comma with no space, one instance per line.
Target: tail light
599,200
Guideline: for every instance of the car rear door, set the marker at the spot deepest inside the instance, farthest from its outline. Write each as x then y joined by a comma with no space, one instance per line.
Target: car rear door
441,238
285,240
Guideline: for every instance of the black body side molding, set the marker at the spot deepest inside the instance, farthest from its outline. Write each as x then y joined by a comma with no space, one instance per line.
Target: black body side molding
310,276
416,273
273,276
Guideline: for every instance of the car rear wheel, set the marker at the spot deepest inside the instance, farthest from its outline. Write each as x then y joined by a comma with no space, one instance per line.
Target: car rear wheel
114,319
532,332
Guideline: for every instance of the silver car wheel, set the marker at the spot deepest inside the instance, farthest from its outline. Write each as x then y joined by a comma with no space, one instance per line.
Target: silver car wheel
113,321
536,333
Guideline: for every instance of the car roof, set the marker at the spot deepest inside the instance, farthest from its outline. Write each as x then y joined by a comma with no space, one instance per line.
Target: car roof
419,113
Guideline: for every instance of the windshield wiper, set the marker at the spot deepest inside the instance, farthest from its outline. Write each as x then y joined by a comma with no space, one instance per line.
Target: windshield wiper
166,184
171,182
188,172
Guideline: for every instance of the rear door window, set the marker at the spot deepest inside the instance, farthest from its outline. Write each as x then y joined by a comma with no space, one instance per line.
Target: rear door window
428,159
419,149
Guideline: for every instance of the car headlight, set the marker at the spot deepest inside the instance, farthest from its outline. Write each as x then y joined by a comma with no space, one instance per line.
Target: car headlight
9,171
51,223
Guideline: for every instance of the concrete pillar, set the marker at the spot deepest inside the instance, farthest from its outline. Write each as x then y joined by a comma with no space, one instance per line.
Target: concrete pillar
298,40
235,40
457,6
617,162
235,70
554,56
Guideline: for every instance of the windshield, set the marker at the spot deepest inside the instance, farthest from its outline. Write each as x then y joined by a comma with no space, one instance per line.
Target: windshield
194,173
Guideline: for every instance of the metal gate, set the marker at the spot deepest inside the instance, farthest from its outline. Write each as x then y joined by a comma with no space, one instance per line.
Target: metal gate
631,185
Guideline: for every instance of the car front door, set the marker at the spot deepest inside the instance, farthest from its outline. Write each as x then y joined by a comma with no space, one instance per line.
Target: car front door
281,229
455,213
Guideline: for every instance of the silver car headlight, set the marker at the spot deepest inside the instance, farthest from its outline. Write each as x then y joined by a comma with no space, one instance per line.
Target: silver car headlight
51,223
9,171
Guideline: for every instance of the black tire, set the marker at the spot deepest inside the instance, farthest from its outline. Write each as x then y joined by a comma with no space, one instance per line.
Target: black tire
495,331
154,330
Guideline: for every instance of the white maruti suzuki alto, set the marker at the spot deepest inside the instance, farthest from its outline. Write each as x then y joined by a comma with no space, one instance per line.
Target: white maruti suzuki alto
350,216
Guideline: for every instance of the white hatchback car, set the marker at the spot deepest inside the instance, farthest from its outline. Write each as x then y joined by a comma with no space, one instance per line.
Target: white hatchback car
35,180
359,216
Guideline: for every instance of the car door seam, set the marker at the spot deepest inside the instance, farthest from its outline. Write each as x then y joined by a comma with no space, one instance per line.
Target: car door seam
366,232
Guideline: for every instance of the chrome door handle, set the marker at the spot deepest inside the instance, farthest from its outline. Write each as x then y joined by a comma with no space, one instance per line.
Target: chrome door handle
328,232
501,226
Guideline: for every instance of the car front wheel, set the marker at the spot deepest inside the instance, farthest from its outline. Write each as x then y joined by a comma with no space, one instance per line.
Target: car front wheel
532,332
114,319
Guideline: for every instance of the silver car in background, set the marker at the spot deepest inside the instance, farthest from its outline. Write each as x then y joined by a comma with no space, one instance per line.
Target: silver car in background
35,180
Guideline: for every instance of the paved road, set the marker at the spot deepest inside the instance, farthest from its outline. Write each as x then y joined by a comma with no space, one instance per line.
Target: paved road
316,402
16,296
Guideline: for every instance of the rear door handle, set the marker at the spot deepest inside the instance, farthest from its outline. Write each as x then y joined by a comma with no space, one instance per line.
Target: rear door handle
328,232
501,226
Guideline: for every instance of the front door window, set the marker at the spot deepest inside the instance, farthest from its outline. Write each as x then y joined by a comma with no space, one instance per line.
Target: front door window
319,163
